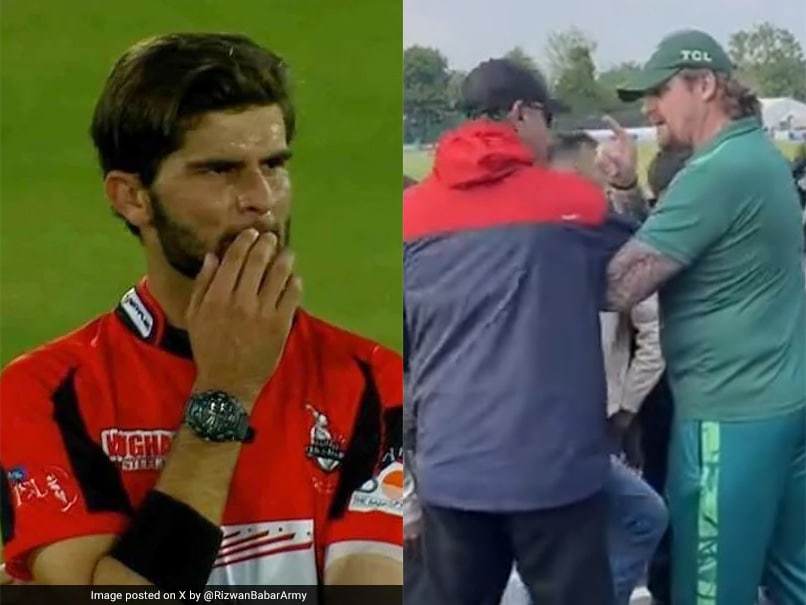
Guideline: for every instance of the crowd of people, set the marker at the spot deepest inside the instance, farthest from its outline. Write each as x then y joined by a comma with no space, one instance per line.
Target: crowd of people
602,386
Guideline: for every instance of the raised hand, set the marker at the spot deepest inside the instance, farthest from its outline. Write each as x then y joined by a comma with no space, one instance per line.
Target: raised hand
618,158
240,315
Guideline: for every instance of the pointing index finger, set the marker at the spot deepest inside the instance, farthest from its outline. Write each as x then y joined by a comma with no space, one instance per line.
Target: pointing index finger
618,129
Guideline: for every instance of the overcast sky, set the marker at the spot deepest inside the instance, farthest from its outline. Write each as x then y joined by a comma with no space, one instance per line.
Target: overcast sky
470,31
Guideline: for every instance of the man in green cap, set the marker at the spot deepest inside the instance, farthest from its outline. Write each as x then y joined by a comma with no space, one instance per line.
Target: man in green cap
724,248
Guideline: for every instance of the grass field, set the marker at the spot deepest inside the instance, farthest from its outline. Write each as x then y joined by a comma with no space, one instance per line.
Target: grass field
64,259
417,163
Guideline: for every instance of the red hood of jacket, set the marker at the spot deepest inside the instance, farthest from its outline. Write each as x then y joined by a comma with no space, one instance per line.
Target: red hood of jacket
479,152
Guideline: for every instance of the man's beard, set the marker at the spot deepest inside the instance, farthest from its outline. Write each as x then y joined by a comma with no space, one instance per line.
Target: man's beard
183,249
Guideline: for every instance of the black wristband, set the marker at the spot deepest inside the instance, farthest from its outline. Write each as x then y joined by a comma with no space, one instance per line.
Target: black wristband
633,185
170,544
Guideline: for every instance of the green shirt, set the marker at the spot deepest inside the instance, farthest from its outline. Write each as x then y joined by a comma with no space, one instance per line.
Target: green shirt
733,321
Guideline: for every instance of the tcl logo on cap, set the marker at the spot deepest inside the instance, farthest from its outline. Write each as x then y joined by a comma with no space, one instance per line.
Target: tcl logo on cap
700,56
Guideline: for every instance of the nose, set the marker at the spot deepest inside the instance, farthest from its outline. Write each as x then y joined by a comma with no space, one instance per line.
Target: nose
254,194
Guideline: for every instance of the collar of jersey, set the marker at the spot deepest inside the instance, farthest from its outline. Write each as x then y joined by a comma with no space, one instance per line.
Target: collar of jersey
142,315
736,128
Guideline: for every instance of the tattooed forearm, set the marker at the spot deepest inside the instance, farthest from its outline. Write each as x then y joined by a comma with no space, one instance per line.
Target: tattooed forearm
630,202
635,272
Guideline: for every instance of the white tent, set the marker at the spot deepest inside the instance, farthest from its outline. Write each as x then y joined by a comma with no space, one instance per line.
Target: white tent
783,113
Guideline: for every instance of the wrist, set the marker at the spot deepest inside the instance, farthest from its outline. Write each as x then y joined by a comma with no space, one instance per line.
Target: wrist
169,543
245,395
624,184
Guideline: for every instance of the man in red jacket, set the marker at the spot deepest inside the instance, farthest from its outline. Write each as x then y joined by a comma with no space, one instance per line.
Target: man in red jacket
504,266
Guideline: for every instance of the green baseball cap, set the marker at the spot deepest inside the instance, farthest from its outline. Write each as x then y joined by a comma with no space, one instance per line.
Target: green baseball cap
689,48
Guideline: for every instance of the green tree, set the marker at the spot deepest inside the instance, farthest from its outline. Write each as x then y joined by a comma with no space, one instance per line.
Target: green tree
425,89
560,48
771,58
455,80
572,71
522,58
617,75
576,84
610,79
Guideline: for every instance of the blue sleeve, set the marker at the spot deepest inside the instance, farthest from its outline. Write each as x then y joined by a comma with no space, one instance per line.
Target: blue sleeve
409,413
613,234
606,240
405,341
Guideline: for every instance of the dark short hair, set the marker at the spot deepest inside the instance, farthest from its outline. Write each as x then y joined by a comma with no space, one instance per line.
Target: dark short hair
161,85
493,86
664,167
568,143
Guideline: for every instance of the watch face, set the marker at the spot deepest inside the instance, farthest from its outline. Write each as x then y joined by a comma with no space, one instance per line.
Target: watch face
216,416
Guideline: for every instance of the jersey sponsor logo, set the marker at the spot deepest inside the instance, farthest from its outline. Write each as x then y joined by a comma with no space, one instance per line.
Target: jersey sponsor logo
18,474
383,493
138,313
137,450
50,486
325,448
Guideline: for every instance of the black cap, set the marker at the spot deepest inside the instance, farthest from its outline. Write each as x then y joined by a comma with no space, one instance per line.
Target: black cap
495,85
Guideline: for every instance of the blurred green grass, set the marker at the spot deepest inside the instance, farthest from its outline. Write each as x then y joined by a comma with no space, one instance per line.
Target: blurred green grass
65,259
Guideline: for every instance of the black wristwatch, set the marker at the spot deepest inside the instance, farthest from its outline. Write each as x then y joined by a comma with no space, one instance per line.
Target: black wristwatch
217,416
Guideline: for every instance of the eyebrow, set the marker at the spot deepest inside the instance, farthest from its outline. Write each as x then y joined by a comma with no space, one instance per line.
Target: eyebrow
276,158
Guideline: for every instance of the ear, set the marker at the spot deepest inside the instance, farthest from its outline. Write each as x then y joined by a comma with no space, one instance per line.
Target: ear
128,197
709,86
516,111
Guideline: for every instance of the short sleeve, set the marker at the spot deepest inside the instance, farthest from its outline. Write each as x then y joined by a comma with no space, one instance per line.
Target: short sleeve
694,213
372,522
49,490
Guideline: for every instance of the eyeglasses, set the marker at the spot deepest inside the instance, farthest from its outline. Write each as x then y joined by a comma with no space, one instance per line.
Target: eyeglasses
547,114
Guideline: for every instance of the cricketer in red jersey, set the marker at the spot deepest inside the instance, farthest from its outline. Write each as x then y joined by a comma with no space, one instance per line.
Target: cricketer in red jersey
107,477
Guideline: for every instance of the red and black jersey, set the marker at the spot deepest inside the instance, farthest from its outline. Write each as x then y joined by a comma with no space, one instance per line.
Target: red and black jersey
86,424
